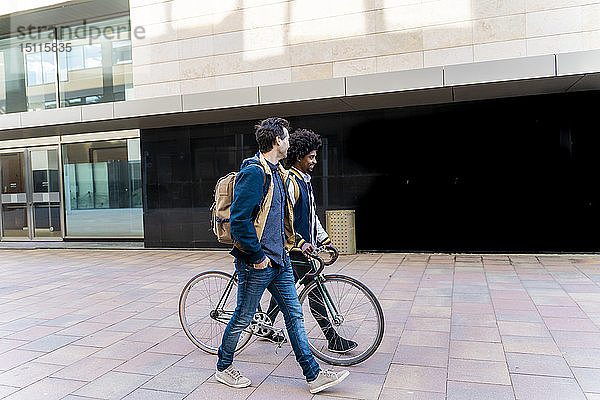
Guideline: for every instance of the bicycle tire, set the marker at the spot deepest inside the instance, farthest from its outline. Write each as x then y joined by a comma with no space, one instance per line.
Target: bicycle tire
198,298
363,321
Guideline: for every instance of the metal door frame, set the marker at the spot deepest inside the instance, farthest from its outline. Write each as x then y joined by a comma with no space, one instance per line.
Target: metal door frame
29,194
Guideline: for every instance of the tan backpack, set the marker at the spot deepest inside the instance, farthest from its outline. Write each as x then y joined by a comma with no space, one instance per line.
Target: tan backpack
221,208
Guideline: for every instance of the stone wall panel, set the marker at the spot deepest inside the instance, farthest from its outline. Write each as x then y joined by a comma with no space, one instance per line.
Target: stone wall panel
237,43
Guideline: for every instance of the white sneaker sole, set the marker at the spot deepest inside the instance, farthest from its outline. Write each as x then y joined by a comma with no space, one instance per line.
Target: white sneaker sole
342,351
233,385
265,339
330,384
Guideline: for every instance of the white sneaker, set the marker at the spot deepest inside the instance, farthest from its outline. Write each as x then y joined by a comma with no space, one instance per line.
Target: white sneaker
326,379
232,377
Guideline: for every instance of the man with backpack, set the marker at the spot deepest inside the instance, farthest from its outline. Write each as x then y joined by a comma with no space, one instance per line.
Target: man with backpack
301,160
262,228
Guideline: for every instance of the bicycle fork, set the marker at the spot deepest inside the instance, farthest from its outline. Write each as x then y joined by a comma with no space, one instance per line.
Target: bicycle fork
337,318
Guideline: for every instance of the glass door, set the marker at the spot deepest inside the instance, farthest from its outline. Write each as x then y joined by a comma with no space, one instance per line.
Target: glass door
15,212
45,193
30,199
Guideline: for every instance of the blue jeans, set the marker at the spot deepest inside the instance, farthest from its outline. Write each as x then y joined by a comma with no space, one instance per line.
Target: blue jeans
251,285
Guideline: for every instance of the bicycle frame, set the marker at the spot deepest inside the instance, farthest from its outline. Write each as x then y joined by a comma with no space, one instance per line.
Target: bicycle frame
318,291
226,293
313,274
219,309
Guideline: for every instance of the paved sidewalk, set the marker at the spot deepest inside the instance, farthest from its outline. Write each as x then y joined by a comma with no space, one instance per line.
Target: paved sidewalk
79,244
103,324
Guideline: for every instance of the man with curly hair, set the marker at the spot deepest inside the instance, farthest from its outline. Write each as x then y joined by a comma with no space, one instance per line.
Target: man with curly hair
301,159
261,223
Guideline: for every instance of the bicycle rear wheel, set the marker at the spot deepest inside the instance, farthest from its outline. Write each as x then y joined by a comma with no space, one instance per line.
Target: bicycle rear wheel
359,318
201,321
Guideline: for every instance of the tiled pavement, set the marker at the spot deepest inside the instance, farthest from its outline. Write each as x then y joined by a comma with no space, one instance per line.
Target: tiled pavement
102,324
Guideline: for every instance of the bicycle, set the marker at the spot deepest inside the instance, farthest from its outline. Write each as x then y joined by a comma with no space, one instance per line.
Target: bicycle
208,301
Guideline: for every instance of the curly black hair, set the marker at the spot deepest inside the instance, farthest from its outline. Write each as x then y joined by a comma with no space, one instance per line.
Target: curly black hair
267,130
302,142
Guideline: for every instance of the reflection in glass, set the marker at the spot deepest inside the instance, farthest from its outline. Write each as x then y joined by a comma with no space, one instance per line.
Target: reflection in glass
103,192
34,69
92,54
27,75
47,220
48,68
74,59
13,95
121,52
96,70
12,166
14,221
41,73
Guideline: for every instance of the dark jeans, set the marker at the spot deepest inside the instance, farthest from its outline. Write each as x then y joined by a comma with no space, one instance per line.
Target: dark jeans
251,285
315,298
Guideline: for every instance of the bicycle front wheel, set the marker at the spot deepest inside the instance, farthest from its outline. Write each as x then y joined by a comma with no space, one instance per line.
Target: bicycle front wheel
200,319
341,308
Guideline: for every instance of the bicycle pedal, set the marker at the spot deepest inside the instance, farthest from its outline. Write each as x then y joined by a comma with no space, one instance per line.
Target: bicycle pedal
277,337
278,345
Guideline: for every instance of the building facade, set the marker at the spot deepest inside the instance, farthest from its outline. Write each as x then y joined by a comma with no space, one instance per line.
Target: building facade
448,125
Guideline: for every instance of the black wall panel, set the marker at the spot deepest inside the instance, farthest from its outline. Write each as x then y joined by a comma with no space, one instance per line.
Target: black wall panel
510,175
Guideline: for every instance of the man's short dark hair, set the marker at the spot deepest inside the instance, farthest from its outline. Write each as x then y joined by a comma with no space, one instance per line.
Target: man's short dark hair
268,130
302,142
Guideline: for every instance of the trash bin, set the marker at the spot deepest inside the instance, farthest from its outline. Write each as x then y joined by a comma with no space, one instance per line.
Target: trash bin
341,229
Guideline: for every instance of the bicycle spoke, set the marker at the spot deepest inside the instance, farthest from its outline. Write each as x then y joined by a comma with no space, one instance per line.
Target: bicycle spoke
204,294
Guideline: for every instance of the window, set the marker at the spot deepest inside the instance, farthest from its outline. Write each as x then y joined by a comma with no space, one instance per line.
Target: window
28,76
92,56
83,75
103,188
74,59
41,68
122,52
34,69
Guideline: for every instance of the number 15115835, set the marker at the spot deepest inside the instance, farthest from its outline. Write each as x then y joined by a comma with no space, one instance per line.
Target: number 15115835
46,47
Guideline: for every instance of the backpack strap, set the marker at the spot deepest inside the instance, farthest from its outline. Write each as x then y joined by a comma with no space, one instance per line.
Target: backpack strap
254,161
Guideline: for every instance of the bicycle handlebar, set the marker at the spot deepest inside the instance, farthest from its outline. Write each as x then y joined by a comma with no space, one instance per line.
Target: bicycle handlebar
311,275
320,261
331,249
